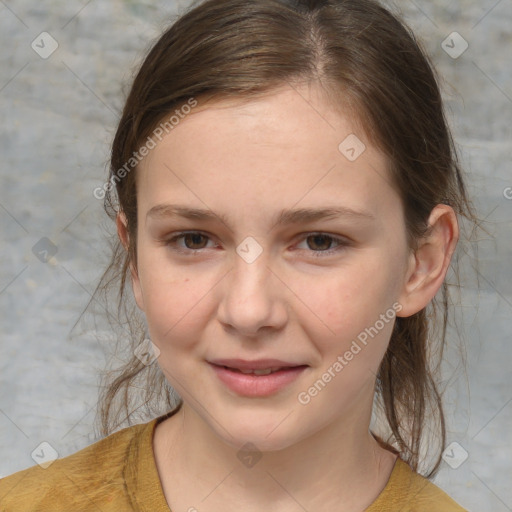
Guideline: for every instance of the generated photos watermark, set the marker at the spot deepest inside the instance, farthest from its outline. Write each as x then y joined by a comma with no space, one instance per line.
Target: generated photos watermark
137,157
357,345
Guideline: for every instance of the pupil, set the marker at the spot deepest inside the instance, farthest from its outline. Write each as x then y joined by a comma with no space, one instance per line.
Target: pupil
321,237
194,237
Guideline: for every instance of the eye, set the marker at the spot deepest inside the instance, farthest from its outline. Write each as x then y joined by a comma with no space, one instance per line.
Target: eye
324,241
193,240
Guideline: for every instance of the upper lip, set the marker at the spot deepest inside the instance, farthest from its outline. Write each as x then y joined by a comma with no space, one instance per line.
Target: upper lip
259,364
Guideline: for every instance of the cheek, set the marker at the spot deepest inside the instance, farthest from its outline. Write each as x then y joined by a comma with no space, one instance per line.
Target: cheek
352,295
346,306
174,300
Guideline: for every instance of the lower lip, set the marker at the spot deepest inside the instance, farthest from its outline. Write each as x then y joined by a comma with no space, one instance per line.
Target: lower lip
252,385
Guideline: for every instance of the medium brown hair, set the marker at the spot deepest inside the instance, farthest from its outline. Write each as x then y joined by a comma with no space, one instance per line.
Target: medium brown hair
366,60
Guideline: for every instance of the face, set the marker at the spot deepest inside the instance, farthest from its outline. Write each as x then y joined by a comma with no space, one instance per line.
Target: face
260,277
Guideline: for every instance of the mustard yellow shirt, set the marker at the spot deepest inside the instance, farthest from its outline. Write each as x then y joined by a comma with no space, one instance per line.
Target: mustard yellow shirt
119,474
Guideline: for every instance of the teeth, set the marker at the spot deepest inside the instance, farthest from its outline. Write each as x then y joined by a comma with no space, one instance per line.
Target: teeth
266,371
263,372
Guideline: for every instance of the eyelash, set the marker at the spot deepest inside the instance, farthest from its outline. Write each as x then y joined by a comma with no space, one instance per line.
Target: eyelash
341,243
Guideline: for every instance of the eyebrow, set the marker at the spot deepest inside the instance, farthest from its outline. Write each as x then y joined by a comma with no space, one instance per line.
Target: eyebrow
284,217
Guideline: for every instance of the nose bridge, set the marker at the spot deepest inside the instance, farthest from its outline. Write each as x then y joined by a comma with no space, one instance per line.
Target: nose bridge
250,269
251,297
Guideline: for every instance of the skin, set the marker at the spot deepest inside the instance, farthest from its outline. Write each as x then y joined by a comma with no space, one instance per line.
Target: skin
247,162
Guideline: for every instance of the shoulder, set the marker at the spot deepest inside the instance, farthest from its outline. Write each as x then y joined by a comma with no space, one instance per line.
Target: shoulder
93,475
408,491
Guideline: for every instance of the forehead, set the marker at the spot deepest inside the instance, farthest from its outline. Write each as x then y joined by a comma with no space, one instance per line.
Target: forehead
278,150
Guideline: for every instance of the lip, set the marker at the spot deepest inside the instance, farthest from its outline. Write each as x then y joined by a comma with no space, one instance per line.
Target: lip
251,385
259,364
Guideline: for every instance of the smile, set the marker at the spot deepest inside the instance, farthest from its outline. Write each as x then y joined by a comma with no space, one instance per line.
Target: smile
257,382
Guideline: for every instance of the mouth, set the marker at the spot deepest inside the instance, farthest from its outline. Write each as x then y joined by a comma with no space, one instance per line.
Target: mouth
264,371
244,365
257,382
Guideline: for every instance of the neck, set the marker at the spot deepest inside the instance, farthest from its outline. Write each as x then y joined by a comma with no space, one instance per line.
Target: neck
339,467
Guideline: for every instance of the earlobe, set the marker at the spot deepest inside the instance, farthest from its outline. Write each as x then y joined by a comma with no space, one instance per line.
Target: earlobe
429,264
122,231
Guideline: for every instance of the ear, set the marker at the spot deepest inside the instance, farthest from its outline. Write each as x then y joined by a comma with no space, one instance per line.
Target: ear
122,231
429,264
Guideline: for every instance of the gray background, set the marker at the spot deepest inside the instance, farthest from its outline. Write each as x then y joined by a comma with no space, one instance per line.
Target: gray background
57,121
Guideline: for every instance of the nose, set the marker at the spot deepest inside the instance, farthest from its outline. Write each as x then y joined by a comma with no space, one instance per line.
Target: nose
253,298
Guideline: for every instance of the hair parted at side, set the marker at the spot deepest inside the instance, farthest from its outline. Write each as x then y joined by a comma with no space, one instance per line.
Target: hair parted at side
367,61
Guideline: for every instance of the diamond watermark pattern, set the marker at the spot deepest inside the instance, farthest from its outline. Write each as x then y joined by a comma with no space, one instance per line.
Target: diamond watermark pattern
352,147
44,250
147,352
454,45
45,455
455,455
44,45
249,250
249,455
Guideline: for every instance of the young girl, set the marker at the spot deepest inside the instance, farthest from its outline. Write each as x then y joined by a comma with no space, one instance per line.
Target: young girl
286,193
